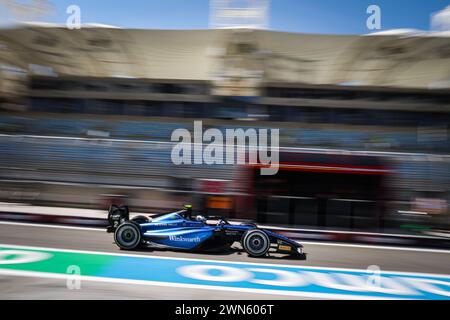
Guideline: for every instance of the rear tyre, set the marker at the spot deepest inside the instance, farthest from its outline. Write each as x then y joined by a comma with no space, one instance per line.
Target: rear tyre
256,243
128,236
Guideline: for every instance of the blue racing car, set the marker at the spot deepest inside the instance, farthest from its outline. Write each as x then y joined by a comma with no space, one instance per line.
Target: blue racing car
182,231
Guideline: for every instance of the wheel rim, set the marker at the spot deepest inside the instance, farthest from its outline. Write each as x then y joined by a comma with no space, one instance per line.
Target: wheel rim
127,236
256,244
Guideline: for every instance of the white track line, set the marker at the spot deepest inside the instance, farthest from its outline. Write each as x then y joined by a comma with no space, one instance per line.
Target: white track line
349,232
52,226
333,244
169,144
369,246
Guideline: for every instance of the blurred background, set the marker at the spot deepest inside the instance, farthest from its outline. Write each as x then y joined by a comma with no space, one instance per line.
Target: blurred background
86,116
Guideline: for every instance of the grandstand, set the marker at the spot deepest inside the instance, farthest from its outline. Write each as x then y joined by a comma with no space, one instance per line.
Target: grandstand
128,89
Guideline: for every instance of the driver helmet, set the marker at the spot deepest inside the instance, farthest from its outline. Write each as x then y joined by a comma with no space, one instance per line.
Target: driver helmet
200,219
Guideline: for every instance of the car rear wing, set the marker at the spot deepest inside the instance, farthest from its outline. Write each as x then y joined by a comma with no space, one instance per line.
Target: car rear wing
116,216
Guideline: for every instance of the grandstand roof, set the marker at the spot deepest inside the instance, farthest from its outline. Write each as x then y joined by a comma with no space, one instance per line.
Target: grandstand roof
392,60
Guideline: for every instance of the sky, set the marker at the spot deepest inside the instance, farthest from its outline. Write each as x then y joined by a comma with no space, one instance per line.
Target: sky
307,16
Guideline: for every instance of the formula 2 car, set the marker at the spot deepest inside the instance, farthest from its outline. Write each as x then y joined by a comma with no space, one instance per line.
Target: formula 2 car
181,231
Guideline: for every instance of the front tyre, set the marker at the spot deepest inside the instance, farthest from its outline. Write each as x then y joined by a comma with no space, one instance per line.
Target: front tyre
256,243
128,236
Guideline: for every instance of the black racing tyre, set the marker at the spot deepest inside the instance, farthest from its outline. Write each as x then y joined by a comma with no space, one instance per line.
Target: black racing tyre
141,219
128,236
256,243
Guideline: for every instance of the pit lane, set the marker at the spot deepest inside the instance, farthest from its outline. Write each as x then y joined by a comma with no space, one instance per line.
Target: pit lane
319,255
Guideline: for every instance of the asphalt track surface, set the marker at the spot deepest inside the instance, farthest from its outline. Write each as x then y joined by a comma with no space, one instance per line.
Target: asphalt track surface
319,255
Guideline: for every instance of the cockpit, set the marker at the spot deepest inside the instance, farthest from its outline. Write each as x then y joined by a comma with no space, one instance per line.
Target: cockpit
185,214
